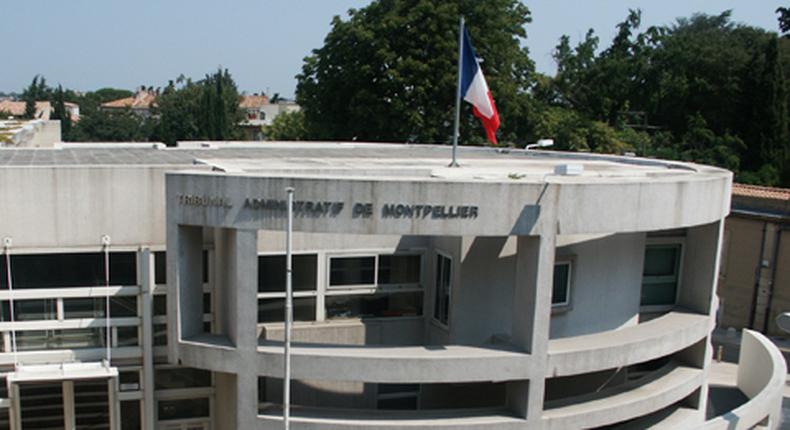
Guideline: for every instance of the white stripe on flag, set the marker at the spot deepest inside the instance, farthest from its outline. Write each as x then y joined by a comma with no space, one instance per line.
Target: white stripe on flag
477,95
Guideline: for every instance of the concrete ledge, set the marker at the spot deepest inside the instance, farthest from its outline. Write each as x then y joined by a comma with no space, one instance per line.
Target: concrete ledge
666,386
761,376
343,419
397,364
611,349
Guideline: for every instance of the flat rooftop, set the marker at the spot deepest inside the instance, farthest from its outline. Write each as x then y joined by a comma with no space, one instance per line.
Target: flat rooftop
402,161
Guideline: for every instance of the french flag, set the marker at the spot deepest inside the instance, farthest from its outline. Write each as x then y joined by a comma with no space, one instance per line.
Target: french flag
474,89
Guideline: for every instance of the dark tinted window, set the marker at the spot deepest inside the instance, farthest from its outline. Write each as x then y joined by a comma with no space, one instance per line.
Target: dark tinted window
273,310
69,270
399,269
181,378
352,271
271,273
160,267
183,409
374,305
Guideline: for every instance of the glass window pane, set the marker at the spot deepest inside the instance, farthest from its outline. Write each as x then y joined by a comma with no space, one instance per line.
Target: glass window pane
84,307
183,409
160,334
28,340
441,306
130,415
352,271
33,310
661,260
271,273
160,267
400,403
70,270
374,305
129,380
399,269
123,306
662,293
559,294
182,377
160,305
127,336
273,310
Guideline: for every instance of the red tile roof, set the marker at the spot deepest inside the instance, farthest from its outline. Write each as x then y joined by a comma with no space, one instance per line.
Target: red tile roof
760,192
141,100
253,102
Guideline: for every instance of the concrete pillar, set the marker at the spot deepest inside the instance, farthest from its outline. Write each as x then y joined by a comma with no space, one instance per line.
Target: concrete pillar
531,319
15,413
236,284
225,400
185,284
698,293
69,420
113,403
147,282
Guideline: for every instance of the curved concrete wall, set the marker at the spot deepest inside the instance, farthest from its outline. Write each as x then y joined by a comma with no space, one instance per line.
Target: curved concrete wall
762,372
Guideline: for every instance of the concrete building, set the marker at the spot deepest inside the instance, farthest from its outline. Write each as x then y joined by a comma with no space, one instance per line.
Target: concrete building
141,103
504,294
755,287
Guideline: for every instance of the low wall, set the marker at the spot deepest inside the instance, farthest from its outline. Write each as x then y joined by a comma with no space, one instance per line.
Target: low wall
761,377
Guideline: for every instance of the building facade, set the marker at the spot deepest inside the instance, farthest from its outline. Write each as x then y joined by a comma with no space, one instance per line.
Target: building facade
144,289
755,286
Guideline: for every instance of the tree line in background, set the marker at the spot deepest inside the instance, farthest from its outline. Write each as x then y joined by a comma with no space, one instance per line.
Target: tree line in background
207,109
704,89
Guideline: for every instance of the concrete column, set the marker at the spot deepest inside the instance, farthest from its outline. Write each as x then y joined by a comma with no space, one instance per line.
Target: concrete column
531,319
236,284
698,293
113,403
69,420
15,413
185,285
147,282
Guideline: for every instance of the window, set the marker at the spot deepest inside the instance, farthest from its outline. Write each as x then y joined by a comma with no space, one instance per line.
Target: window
441,308
398,396
129,380
183,409
130,411
271,273
127,336
32,310
561,290
181,377
93,307
160,334
375,271
160,267
70,270
660,274
273,310
29,340
374,305
349,271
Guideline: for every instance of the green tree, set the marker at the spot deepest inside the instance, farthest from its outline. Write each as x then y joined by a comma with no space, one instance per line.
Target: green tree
388,72
60,112
115,126
287,126
203,110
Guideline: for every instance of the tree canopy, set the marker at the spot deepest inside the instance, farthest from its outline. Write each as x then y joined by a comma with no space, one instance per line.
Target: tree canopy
388,71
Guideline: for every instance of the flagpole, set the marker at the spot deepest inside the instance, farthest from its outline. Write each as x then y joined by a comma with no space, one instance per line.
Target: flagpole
288,311
454,163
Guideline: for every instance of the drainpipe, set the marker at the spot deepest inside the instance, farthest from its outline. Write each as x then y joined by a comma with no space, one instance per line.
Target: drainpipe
757,270
774,262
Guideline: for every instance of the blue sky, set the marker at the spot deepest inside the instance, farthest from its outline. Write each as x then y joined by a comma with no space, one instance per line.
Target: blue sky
89,44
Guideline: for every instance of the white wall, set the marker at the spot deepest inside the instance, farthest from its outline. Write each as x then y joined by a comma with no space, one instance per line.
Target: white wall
606,285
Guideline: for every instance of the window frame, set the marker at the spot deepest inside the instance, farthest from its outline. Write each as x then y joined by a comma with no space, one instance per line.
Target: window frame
567,304
678,241
375,286
434,319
